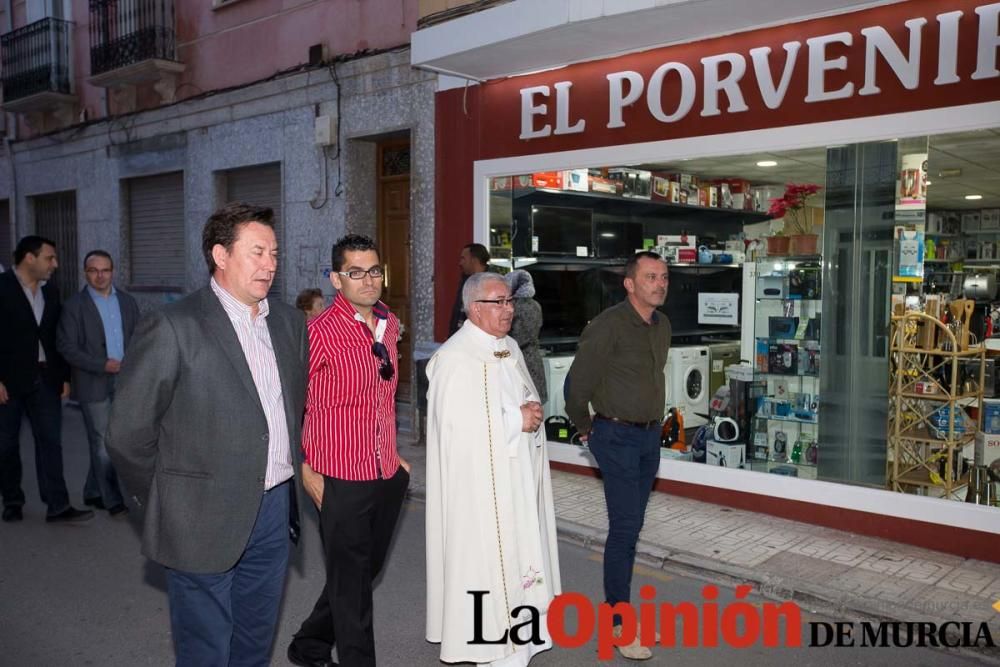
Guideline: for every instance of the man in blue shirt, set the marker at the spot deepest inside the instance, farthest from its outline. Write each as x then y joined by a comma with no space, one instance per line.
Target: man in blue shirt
96,325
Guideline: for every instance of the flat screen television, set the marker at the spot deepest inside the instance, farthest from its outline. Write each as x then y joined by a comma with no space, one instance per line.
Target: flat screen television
613,239
562,230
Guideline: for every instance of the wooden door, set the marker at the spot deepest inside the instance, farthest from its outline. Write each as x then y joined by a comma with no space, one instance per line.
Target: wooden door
393,213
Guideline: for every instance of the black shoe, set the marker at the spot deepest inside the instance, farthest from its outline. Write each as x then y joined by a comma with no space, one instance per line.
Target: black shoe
94,502
13,513
70,515
118,510
296,658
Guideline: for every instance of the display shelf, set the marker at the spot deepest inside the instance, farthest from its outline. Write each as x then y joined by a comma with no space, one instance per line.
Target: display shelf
799,388
792,420
711,211
915,456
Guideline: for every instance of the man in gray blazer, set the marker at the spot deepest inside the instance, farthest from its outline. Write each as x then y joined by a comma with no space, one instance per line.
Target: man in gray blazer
205,430
94,331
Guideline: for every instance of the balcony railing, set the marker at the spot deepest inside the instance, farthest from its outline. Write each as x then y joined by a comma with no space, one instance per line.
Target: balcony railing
127,32
36,59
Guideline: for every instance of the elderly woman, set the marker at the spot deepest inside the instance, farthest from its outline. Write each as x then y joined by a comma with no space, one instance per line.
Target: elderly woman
527,323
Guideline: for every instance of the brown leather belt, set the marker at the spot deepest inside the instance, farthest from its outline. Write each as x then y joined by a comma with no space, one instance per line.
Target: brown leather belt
643,425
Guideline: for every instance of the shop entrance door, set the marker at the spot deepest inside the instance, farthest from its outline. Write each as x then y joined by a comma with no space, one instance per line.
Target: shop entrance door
393,199
860,202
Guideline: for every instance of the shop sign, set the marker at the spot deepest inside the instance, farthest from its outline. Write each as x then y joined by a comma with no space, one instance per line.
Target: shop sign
723,75
900,57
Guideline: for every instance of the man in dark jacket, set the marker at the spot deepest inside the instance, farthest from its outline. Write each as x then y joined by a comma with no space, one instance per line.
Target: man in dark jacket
475,258
94,331
33,379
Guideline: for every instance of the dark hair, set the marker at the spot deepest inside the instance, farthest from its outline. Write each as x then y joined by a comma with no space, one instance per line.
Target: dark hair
223,227
304,301
353,242
479,251
32,244
99,253
632,265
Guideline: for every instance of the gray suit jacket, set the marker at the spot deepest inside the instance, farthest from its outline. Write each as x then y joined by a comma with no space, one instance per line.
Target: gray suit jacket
188,435
80,340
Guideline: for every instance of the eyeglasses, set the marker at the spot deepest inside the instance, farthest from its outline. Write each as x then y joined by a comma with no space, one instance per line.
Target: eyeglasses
503,303
375,272
385,369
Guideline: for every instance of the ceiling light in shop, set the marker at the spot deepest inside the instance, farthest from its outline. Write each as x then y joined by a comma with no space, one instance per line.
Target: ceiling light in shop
607,235
973,197
767,163
950,173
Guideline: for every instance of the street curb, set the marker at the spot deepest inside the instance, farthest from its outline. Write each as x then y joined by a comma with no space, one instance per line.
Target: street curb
779,589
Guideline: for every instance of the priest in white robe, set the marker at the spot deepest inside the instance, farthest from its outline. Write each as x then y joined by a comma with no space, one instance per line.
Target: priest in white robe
490,516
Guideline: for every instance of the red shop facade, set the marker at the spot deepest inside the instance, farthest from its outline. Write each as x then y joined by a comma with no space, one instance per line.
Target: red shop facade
881,74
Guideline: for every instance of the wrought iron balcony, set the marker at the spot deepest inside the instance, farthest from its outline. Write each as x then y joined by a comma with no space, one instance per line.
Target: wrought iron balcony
36,65
132,41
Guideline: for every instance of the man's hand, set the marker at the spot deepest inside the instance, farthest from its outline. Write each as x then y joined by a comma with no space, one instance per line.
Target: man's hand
312,482
584,437
531,416
65,391
112,366
3,394
406,464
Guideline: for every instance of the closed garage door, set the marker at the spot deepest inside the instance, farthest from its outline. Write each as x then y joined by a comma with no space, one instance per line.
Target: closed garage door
261,186
55,219
156,231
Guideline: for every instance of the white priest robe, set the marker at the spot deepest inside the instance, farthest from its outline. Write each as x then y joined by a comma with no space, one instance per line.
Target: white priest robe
490,516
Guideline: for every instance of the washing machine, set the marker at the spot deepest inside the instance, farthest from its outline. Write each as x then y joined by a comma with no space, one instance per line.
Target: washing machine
688,370
556,370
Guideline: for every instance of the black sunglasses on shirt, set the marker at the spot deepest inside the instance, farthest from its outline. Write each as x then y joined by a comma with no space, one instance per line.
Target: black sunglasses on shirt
385,369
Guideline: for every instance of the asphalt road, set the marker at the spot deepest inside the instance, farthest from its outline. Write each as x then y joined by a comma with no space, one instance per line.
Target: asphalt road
83,595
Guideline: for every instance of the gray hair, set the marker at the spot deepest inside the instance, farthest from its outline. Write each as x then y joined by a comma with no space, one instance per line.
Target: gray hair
475,284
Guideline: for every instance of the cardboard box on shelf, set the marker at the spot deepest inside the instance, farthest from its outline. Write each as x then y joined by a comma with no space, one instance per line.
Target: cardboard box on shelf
989,218
971,221
636,183
501,183
708,195
763,194
987,448
605,185
547,179
725,195
576,180
665,189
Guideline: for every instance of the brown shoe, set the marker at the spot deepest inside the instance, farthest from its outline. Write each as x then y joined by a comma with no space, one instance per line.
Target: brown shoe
635,650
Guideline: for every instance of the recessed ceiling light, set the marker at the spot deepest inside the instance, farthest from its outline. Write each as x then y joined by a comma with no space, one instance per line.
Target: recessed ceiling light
973,197
928,183
767,163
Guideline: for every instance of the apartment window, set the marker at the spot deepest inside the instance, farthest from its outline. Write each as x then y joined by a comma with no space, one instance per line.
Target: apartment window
156,231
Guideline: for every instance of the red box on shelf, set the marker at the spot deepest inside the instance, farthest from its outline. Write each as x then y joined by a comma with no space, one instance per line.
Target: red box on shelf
547,179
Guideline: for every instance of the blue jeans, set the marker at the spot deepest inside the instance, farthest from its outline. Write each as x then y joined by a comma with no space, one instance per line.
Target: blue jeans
229,618
628,457
102,481
43,406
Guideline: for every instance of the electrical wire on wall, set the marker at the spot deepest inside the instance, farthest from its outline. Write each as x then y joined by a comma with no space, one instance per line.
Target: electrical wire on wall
325,156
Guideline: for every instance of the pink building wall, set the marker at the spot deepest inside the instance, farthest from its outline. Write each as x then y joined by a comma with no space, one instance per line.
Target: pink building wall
247,41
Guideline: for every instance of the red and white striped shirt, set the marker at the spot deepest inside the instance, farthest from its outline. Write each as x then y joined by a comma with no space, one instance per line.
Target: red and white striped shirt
350,425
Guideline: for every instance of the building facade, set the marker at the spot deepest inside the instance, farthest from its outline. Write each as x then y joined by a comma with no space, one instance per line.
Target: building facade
129,122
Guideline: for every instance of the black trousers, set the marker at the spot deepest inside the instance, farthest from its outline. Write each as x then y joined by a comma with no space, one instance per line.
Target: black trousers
356,522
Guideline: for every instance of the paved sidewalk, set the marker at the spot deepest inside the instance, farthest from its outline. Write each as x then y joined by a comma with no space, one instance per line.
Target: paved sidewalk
853,577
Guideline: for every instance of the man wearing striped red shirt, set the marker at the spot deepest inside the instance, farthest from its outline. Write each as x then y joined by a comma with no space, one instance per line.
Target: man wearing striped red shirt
351,470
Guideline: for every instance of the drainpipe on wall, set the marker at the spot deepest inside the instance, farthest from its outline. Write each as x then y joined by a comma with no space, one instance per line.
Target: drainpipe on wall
9,137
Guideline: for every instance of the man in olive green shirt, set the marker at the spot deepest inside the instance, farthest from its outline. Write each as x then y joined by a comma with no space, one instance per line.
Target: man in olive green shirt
618,369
